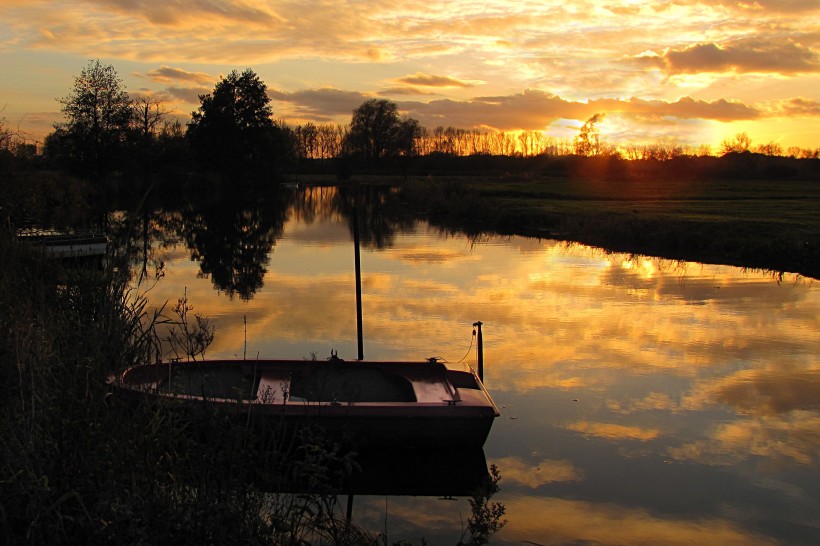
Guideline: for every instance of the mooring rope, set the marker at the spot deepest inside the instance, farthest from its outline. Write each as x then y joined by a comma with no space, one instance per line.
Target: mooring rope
470,348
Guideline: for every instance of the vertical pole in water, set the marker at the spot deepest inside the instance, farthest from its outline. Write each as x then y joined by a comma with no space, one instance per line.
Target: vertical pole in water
358,267
349,514
480,351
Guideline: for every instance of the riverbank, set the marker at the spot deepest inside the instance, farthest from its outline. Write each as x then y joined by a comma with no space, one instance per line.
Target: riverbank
771,224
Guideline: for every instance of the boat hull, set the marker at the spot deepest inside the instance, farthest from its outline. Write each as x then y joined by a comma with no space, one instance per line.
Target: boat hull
375,404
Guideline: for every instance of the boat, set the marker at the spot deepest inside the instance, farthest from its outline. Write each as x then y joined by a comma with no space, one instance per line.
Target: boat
417,404
384,404
67,244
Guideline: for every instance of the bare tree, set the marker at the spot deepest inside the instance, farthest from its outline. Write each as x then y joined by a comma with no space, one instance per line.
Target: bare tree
149,113
740,143
771,148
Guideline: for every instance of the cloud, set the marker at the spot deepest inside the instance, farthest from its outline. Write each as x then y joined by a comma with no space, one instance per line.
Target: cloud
777,6
793,436
536,109
760,391
166,74
407,91
611,431
529,109
797,106
560,521
325,104
173,12
188,94
757,54
517,471
431,80
683,108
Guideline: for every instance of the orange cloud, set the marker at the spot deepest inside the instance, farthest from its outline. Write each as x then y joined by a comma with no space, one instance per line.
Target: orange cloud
165,74
551,521
782,388
798,106
746,55
430,80
791,437
320,104
393,91
170,13
614,432
516,471
537,109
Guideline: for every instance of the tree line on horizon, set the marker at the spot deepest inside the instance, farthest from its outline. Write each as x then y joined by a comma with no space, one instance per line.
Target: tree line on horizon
234,132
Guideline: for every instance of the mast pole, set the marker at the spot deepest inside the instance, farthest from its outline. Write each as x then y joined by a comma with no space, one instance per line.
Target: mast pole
480,350
358,264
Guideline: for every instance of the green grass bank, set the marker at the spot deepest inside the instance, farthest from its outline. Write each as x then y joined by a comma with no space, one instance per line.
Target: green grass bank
771,224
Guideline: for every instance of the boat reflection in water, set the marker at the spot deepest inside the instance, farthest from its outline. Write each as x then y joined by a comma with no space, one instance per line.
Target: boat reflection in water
458,472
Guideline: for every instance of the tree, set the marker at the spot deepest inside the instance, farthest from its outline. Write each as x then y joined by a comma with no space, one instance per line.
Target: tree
6,134
233,129
97,118
741,143
148,115
377,131
588,141
772,148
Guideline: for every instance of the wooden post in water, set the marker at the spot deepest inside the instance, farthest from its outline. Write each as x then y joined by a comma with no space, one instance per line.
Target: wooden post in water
358,267
480,351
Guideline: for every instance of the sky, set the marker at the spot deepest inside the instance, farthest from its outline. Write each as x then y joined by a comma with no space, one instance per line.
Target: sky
689,72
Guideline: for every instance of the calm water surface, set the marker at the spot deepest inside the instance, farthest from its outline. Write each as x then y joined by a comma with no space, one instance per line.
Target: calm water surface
644,401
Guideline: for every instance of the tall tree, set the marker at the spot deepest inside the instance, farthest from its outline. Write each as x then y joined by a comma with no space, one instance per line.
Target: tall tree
377,131
97,116
233,129
588,141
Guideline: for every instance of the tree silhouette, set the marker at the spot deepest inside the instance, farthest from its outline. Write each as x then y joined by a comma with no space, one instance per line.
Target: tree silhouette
588,141
739,144
149,112
377,132
97,119
233,130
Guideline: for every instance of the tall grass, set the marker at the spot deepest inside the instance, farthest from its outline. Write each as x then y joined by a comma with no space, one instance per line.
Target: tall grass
78,466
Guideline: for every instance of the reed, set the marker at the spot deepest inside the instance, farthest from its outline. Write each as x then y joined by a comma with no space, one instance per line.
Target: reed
79,466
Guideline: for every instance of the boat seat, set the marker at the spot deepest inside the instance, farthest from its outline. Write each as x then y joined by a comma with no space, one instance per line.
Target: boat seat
273,387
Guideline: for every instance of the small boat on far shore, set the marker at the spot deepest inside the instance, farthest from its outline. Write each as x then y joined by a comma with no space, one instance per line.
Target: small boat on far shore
373,403
67,244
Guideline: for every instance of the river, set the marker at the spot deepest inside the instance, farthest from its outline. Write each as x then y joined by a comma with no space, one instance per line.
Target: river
644,401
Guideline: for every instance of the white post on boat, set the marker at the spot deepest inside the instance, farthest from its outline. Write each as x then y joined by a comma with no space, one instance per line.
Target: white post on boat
358,267
480,350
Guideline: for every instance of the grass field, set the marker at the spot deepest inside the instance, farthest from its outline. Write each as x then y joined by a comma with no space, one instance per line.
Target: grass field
767,224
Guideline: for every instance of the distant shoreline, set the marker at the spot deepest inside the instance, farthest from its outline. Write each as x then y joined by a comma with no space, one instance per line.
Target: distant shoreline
760,224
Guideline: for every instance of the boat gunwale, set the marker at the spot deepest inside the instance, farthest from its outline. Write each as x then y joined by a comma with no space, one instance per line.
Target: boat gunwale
409,370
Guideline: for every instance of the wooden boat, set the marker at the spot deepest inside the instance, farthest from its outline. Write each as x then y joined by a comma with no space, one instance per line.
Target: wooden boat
385,404
372,403
67,244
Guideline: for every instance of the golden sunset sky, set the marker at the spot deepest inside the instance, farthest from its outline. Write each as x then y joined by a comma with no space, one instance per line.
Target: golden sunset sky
689,71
